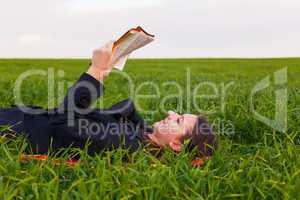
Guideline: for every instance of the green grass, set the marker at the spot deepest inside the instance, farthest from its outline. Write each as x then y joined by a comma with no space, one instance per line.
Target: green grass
256,162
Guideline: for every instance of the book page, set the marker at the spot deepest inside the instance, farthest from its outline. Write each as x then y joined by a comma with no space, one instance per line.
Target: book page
124,48
120,63
132,41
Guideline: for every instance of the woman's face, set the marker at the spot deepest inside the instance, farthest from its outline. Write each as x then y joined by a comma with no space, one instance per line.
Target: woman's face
171,130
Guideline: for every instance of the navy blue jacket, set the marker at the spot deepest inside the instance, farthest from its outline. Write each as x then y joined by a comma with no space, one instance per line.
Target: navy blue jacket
98,129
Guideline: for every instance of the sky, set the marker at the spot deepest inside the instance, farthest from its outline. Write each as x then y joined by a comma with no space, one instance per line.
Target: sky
183,29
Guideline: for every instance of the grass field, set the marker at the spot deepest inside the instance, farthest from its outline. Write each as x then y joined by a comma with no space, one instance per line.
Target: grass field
253,162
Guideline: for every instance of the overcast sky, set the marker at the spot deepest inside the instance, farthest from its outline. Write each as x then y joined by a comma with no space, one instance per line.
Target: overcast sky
183,28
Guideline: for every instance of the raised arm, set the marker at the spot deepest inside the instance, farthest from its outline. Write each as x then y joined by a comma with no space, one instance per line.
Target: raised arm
90,84
101,64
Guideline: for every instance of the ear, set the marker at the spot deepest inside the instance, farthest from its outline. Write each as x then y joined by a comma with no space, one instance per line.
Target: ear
176,145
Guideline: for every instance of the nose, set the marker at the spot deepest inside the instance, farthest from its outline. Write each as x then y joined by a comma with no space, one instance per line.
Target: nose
171,114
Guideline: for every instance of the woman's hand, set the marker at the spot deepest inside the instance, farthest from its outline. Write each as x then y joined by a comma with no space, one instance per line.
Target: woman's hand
101,62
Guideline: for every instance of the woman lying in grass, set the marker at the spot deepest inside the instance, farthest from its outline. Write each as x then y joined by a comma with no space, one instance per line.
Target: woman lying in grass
75,124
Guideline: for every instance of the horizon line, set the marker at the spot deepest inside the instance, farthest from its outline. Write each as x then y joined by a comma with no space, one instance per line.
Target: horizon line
149,58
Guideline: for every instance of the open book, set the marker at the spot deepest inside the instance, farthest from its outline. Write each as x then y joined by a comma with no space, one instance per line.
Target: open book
132,40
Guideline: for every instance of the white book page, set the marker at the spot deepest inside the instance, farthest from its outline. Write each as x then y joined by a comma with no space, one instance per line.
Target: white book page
133,42
120,64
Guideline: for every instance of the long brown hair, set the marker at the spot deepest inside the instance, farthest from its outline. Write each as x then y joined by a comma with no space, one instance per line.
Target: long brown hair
202,138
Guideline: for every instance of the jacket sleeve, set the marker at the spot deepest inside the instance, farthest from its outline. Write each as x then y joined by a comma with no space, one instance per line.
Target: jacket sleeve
83,93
